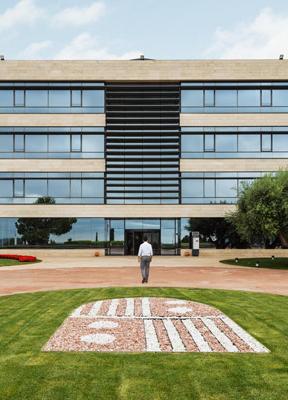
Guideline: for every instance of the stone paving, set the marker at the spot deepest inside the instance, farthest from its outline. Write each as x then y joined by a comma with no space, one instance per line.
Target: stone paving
151,325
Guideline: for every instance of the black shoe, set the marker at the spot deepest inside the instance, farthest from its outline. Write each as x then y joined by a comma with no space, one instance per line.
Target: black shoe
143,280
146,280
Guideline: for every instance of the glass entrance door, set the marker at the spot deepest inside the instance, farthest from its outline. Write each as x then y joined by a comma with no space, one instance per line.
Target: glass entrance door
133,239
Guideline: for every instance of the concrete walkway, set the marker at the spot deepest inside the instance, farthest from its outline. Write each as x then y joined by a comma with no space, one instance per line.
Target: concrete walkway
56,273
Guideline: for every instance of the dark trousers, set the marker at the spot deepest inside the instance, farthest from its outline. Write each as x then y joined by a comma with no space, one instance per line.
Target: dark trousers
145,265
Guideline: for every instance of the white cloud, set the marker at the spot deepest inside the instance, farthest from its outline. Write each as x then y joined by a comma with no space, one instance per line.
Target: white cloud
35,49
85,47
25,12
78,16
264,37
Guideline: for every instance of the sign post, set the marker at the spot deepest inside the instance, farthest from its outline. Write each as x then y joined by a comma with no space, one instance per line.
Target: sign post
195,243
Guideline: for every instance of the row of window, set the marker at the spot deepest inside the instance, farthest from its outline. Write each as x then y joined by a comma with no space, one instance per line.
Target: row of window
265,142
52,143
199,188
57,188
233,98
55,100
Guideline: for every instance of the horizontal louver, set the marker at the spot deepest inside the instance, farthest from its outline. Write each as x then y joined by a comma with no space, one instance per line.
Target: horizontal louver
142,143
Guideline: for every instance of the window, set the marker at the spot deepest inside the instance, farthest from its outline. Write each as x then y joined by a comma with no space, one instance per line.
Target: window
209,98
76,98
18,187
280,142
266,142
249,98
6,98
192,98
226,143
36,98
76,188
59,98
226,187
92,143
192,143
59,143
93,98
192,188
280,98
249,143
36,143
6,143
209,143
35,188
209,187
92,188
266,98
6,188
19,142
226,98
76,143
19,98
59,187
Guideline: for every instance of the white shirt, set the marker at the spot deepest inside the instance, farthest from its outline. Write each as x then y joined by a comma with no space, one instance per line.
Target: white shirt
145,249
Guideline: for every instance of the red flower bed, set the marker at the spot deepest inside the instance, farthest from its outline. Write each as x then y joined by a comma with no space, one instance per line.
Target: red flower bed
19,257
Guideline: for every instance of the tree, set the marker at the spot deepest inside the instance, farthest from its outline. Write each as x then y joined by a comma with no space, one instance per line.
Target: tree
37,231
262,210
217,231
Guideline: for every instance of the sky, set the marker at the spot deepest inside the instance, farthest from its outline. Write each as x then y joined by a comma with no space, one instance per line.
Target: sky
159,29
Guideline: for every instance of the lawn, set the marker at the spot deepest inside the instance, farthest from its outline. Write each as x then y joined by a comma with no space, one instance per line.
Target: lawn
5,262
264,262
28,320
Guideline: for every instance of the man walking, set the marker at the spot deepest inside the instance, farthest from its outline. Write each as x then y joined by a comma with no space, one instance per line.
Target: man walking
145,254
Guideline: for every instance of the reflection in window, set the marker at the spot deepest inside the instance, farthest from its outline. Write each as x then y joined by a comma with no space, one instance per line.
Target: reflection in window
92,143
59,143
209,98
280,142
280,98
35,187
266,142
92,98
192,143
92,188
226,98
19,142
209,187
76,98
18,187
59,187
6,98
266,98
192,188
192,98
6,143
249,143
36,143
36,98
59,98
249,98
6,188
226,188
226,142
209,143
19,98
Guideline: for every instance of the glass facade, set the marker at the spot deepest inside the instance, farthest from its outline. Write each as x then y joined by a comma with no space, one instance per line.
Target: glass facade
214,187
64,188
234,142
54,142
60,97
234,97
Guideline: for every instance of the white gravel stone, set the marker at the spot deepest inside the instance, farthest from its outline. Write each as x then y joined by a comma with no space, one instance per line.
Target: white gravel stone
180,310
103,325
98,338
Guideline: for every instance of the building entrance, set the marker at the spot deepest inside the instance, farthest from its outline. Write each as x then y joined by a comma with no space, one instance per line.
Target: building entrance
133,239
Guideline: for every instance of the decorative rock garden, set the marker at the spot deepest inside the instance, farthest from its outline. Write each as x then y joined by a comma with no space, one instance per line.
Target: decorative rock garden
151,324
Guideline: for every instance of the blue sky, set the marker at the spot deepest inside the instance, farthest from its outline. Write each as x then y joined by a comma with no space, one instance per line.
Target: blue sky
161,29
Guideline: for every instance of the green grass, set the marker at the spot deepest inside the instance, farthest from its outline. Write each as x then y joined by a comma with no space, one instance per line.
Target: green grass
28,320
264,262
5,262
